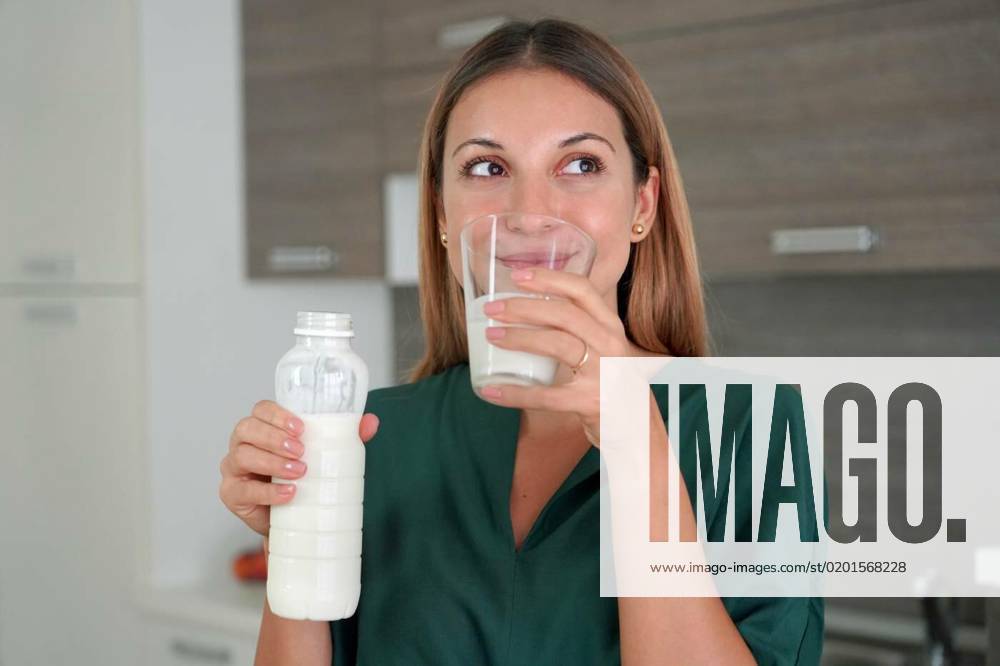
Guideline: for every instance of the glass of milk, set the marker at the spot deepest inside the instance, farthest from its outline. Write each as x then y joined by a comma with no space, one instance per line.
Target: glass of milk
493,246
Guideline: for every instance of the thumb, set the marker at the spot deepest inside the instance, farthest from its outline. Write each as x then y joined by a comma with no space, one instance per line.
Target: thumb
368,427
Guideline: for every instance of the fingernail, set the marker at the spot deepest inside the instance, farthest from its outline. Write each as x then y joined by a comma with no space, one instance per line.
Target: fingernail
495,332
286,489
521,274
295,424
294,447
295,467
490,391
493,307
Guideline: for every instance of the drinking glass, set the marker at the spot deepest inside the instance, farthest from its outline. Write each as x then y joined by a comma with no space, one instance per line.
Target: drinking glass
493,246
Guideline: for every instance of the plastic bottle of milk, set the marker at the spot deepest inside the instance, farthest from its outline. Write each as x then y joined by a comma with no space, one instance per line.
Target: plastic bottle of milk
314,559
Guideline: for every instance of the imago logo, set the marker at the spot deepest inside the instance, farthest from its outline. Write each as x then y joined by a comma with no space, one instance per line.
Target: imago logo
788,440
800,476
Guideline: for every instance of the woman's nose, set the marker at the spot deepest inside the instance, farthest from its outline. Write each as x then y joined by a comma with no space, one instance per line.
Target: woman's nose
538,200
528,222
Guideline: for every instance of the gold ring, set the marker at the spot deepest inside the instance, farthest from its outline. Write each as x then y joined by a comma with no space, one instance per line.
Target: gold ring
586,355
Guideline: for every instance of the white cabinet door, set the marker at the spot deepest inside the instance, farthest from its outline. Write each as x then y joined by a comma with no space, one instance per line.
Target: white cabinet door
70,409
69,165
401,203
170,643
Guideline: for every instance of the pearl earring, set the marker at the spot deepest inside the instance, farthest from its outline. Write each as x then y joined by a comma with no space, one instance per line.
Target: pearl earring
638,228
444,237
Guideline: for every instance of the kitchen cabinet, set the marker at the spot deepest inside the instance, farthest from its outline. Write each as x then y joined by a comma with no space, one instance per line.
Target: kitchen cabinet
306,35
178,643
881,118
311,126
70,507
67,144
405,99
811,138
429,35
421,41
336,98
70,322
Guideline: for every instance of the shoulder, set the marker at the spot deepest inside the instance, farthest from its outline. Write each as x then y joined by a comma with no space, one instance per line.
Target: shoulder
416,395
410,418
780,630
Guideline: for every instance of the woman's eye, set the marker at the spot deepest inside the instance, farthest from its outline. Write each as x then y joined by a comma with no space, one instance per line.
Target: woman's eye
485,168
585,165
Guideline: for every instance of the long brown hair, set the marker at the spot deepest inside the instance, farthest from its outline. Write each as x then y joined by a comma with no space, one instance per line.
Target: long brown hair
659,294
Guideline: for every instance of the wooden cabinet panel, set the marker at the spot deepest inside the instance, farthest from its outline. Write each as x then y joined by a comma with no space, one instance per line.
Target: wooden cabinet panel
312,128
309,125
784,115
342,213
410,30
296,35
638,19
887,116
413,64
406,100
918,233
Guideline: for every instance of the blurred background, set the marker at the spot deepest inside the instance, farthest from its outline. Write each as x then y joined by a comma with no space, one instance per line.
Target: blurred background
178,178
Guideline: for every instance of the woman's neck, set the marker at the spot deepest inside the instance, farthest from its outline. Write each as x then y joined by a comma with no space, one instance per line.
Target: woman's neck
541,421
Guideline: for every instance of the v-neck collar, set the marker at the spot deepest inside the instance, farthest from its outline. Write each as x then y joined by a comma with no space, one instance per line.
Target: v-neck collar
498,428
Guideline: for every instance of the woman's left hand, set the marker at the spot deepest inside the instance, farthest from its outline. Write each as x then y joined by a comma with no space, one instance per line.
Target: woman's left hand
571,327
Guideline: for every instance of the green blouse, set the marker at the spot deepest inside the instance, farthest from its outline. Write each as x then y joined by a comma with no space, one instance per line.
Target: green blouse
441,581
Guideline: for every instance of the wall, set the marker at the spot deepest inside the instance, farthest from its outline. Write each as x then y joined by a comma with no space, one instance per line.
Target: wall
213,336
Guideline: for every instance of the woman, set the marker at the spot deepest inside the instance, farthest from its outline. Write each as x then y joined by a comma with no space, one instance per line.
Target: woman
481,517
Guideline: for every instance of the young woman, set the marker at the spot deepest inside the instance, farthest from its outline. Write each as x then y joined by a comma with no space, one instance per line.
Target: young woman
481,521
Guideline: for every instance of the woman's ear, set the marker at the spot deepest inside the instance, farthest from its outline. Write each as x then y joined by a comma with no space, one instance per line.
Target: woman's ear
442,225
647,198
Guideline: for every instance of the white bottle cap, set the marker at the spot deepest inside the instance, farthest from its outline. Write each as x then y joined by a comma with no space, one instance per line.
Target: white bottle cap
324,324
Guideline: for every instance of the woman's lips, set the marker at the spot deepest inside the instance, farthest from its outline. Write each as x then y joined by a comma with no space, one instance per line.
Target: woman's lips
530,259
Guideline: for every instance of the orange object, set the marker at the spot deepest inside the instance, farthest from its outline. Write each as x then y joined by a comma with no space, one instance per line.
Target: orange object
251,565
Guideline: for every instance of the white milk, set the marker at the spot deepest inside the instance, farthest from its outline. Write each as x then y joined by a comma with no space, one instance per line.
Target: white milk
314,563
489,364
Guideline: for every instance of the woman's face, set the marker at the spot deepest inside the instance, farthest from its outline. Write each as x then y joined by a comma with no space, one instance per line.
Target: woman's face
540,142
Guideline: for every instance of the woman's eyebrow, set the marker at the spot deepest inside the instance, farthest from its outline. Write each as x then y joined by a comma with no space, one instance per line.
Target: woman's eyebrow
583,136
478,141
576,138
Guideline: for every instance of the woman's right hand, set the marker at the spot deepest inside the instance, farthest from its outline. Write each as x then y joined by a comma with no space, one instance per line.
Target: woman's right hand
267,443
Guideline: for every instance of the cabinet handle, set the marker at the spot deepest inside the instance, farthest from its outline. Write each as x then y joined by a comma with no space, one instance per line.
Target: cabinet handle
49,266
289,258
816,240
467,33
50,313
194,651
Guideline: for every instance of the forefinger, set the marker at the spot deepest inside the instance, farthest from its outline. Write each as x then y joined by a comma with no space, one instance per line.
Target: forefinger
274,414
576,288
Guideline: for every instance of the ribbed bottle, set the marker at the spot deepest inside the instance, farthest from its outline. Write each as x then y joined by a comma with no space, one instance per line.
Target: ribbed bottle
314,559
